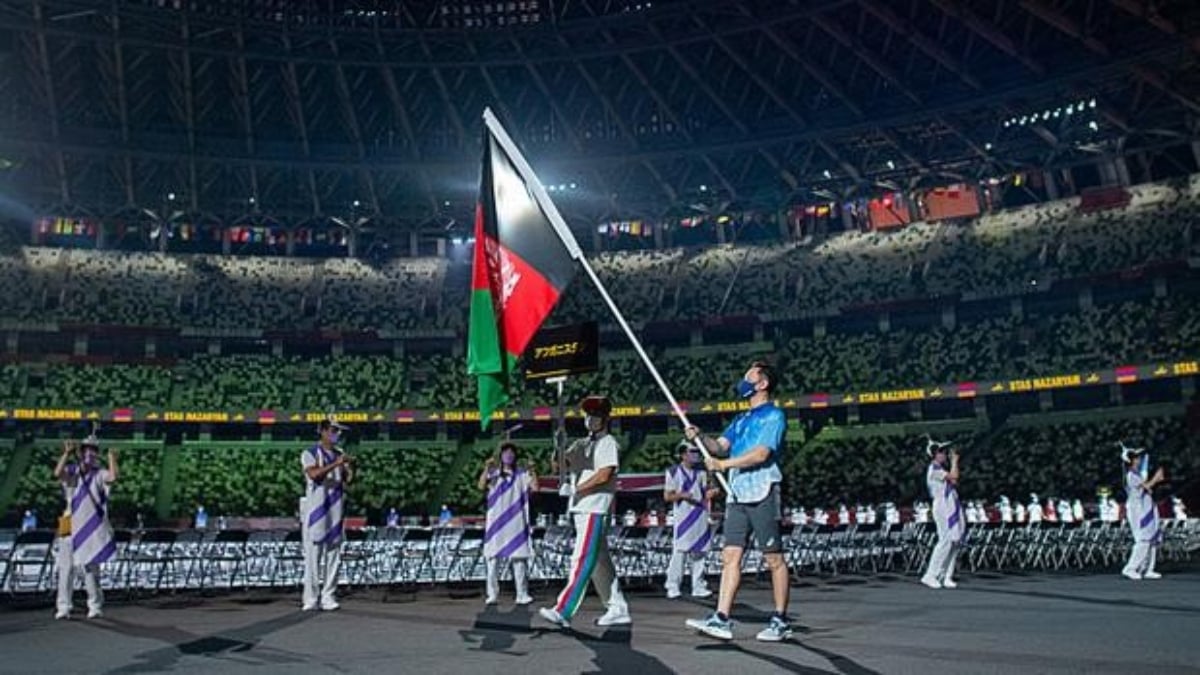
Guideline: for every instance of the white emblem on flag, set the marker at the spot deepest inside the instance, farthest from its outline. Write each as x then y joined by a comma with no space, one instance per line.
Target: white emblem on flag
505,276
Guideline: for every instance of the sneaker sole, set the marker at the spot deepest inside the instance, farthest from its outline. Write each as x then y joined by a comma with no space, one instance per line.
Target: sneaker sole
615,622
705,630
561,623
773,638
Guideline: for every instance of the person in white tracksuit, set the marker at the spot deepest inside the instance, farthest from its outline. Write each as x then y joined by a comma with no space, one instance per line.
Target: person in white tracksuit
326,473
1142,514
594,464
508,533
947,515
85,537
686,488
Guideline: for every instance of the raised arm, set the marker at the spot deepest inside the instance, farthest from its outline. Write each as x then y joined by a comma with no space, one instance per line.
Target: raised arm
1158,477
531,468
60,469
112,466
482,484
952,475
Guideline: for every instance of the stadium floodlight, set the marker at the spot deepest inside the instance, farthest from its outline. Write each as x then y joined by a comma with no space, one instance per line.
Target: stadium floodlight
446,203
572,186
1024,119
170,196
1092,104
253,200
827,174
987,146
356,204
891,164
1093,126
1070,109
704,188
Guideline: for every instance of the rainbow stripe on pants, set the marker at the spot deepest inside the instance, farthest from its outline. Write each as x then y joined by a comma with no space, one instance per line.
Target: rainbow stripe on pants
587,552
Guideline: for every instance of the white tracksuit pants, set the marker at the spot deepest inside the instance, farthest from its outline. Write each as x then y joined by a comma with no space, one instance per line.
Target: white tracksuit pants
520,569
65,563
675,571
322,565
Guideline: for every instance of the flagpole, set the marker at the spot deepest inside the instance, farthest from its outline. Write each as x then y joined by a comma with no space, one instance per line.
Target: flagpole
568,239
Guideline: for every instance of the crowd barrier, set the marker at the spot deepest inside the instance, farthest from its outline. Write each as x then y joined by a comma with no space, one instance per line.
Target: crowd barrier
154,561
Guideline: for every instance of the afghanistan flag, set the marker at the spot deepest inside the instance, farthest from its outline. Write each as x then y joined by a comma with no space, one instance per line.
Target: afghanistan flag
520,269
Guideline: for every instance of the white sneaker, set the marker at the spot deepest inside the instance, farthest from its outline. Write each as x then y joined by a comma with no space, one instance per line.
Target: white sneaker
489,600
712,626
673,592
330,606
524,599
95,614
702,593
1151,575
777,630
615,617
61,614
949,583
310,607
1132,575
931,582
550,614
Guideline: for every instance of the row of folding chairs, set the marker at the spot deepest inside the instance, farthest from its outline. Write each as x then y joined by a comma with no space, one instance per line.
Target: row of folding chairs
156,561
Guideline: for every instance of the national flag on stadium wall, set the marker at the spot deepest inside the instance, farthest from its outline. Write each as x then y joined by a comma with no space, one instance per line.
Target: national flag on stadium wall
521,267
1126,374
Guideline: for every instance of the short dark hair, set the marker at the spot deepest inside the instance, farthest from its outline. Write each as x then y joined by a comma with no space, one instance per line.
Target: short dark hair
767,371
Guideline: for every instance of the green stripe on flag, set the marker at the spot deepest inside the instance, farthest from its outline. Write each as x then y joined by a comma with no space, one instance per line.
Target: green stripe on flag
485,358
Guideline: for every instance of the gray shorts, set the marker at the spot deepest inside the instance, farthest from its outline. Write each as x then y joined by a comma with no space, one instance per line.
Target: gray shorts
759,520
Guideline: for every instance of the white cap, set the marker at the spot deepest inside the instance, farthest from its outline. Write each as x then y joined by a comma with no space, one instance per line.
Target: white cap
1127,453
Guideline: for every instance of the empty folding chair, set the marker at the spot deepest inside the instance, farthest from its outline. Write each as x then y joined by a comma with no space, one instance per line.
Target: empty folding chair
287,565
151,560
223,559
261,548
415,555
7,537
467,564
186,558
31,562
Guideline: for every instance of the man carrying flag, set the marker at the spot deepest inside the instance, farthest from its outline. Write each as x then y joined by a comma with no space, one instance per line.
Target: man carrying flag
524,258
593,464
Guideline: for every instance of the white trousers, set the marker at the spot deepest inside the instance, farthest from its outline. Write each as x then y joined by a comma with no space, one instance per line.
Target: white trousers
520,570
942,561
64,561
1141,558
591,558
322,565
675,571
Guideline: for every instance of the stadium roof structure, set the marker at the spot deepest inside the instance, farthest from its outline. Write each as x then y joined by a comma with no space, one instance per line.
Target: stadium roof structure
303,108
